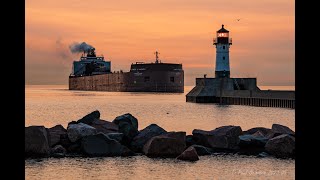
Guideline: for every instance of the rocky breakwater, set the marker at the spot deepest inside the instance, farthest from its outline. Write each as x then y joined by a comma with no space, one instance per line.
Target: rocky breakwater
91,136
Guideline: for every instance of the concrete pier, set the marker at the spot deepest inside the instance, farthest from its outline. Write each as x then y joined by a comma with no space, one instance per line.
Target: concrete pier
238,91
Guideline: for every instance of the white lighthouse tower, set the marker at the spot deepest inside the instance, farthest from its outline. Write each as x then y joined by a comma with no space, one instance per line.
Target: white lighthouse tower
222,42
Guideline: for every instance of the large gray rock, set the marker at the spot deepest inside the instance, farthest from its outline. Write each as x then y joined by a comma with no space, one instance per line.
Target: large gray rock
201,150
170,144
179,135
144,135
252,141
225,137
77,131
126,118
190,141
105,126
252,144
280,129
55,133
264,131
116,136
89,118
101,145
36,141
281,146
190,154
128,125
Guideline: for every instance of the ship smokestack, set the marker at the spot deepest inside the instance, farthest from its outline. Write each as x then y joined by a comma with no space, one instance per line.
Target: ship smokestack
81,47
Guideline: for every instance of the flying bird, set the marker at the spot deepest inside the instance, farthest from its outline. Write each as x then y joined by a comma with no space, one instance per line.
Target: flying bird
238,19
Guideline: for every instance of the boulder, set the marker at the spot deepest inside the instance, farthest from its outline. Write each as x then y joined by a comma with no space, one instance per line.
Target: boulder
105,126
201,150
170,144
65,141
280,129
72,122
281,146
264,131
128,131
225,137
77,131
127,118
144,135
128,125
190,141
252,141
190,154
75,148
101,145
116,136
89,118
55,133
252,144
179,135
58,149
36,141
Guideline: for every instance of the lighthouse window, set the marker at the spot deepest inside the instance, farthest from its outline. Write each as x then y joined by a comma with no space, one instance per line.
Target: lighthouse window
223,58
224,47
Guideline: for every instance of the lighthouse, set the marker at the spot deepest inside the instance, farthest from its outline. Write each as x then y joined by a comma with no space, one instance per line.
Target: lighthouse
222,43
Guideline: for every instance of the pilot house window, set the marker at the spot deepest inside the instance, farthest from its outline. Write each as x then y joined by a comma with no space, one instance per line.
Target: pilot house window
146,79
171,79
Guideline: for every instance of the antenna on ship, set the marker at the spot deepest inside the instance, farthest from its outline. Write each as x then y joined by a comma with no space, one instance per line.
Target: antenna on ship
157,57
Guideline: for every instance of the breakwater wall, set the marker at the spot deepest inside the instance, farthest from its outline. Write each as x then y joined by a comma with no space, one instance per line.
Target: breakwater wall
238,91
91,136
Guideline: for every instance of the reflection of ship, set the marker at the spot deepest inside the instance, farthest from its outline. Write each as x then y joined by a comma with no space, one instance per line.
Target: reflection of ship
94,73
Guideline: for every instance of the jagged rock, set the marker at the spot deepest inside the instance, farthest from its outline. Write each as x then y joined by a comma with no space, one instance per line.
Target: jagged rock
58,149
72,122
116,136
281,146
252,141
252,144
190,141
36,141
75,147
89,118
77,131
128,125
126,118
144,135
179,135
190,154
54,134
264,131
170,144
101,145
105,126
201,150
65,141
225,137
280,129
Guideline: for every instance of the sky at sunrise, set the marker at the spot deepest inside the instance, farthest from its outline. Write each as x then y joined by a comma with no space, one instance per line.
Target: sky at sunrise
126,31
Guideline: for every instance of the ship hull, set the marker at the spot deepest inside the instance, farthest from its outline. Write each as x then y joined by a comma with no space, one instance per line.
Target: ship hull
155,81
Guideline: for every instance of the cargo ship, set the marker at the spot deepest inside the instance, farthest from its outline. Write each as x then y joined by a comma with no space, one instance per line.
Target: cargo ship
93,73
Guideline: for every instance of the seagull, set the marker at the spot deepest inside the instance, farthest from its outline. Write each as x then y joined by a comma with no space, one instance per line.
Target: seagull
238,19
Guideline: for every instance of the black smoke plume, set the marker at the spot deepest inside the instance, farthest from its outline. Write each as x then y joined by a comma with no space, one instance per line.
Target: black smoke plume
80,47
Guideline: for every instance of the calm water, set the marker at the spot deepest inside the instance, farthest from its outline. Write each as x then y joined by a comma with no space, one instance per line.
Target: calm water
51,105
